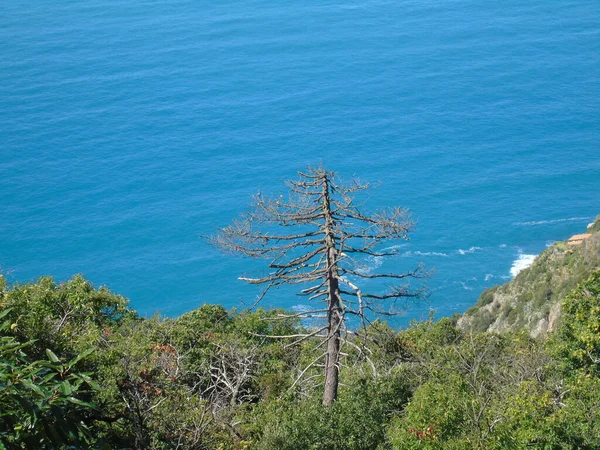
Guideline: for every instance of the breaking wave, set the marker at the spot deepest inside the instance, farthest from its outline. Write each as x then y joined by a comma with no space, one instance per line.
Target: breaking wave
521,263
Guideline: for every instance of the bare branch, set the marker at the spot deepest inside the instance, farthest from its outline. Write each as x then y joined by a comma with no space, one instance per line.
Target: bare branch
299,377
330,227
417,273
288,336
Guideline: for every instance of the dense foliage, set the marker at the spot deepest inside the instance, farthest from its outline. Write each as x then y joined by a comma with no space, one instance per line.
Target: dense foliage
79,369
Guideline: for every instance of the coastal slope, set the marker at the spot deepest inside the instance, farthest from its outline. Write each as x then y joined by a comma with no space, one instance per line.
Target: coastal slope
532,300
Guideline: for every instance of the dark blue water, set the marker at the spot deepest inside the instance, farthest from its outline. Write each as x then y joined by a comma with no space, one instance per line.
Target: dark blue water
127,129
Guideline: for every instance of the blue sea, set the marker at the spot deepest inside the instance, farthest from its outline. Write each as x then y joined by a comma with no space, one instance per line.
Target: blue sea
130,128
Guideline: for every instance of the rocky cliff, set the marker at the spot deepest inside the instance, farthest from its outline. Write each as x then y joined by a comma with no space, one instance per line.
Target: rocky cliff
532,300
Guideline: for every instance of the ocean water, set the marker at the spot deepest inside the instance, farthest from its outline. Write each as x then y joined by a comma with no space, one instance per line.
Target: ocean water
129,129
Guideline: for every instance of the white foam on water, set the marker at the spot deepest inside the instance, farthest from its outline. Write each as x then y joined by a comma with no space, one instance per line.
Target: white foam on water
372,263
460,251
521,263
418,253
488,276
432,254
546,222
502,246
393,248
301,308
465,284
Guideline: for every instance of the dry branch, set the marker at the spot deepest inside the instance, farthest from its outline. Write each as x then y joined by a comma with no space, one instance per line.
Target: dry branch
331,228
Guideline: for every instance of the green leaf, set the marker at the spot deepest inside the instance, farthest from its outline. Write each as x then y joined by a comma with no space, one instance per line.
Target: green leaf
51,356
5,312
76,401
65,388
28,384
80,357
93,384
48,377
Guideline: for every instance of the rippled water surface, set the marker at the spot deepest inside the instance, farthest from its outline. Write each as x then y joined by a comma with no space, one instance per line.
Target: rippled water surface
127,129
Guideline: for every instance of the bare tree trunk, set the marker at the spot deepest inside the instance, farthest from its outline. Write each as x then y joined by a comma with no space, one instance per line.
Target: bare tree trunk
333,308
332,232
333,346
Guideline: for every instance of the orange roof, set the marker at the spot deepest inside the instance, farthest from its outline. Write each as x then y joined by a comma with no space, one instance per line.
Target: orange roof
578,238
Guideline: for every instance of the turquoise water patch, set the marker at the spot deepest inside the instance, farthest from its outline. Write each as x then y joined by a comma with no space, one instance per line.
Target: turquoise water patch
128,129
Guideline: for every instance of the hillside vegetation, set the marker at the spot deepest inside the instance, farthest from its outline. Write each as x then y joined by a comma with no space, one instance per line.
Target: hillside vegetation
80,369
532,300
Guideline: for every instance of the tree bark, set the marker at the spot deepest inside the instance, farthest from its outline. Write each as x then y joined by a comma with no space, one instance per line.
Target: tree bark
334,318
333,345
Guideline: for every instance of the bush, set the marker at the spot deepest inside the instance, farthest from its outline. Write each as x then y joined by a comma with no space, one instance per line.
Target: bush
357,421
42,402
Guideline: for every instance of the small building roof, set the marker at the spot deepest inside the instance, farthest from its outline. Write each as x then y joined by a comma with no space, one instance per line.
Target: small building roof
578,238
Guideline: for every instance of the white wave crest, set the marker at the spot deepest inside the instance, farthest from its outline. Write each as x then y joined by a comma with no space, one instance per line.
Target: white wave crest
488,276
370,264
522,262
546,222
302,308
393,248
418,253
465,284
460,251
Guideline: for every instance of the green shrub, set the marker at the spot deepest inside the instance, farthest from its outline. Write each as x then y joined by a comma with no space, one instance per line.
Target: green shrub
357,421
487,296
43,402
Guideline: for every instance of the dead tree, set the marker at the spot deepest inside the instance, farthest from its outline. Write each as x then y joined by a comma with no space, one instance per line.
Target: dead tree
231,372
330,234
